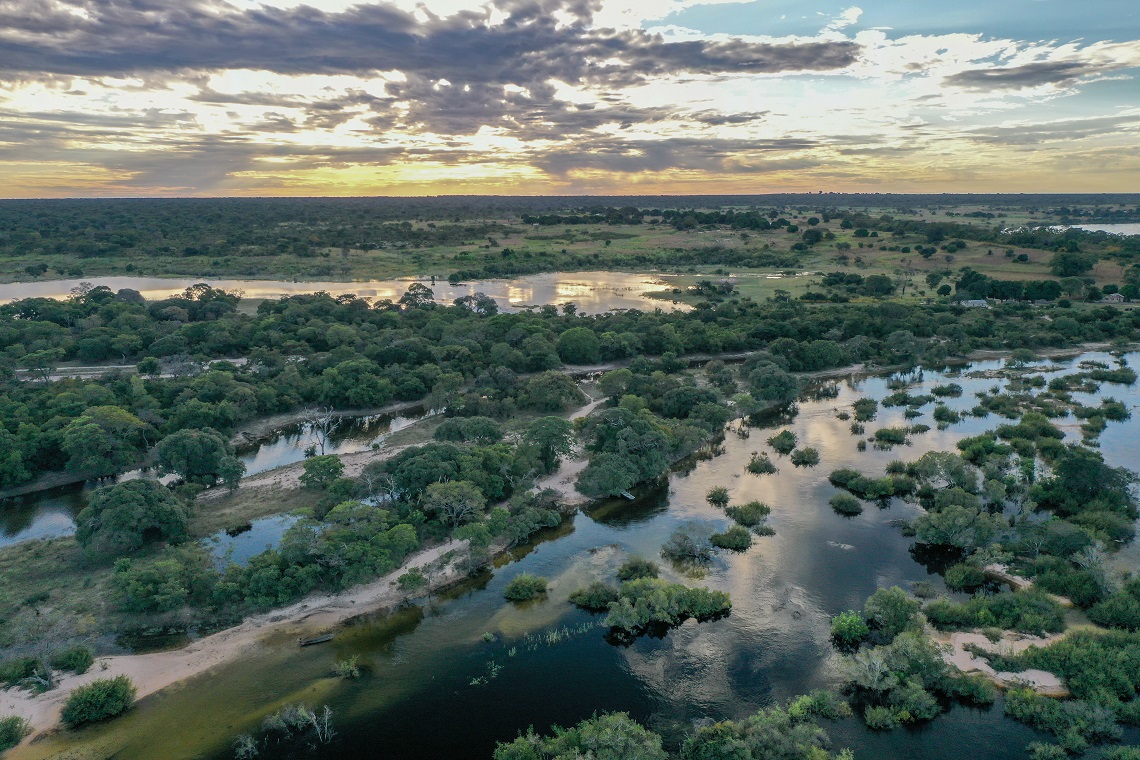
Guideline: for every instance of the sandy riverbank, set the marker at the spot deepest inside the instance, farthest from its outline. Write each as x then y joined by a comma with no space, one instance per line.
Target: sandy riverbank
156,671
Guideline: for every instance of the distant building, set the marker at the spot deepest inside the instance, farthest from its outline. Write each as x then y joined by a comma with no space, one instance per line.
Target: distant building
1113,298
976,304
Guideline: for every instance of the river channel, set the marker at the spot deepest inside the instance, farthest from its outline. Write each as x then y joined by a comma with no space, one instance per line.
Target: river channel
435,686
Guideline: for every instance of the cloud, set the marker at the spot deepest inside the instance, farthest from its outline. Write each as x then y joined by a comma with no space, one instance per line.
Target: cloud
1055,131
1021,77
690,154
514,41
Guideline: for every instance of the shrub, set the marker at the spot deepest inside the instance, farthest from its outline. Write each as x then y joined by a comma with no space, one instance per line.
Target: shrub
737,538
973,689
693,541
846,504
760,464
749,515
651,600
965,575
1025,611
718,497
910,702
13,729
865,409
413,580
78,660
891,436
596,597
98,700
807,457
849,628
636,567
525,586
1041,751
891,611
1076,722
880,718
783,442
347,668
14,671
1121,610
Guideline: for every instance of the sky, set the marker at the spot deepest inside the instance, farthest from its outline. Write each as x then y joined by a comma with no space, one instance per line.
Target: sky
533,97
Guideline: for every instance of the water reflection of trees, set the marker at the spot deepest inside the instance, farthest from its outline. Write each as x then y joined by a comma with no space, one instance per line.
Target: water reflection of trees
650,500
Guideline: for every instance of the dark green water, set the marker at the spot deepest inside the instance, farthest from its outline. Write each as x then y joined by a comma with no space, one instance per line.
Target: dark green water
416,698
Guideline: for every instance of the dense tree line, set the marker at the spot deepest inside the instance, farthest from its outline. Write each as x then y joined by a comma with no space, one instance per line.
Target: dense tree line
347,353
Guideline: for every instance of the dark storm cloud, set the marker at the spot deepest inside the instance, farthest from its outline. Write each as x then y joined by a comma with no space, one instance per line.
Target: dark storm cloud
1019,77
127,37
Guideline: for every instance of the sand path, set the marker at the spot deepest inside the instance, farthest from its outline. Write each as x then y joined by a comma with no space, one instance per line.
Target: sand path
155,671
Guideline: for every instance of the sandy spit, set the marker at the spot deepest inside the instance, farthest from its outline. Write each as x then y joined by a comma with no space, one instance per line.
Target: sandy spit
155,671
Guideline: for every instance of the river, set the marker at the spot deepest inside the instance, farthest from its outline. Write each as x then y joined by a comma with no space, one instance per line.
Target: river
428,688
592,292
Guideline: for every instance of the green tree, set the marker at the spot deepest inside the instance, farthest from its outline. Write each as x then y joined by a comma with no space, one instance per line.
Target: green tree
579,345
891,611
553,437
607,475
455,502
321,472
199,456
551,392
356,383
121,518
615,383
955,525
105,440
1071,263
12,468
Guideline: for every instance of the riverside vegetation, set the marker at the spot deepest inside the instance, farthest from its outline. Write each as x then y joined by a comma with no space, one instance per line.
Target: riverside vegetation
206,368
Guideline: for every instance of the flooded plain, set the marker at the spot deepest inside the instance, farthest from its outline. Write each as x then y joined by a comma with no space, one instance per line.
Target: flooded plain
451,675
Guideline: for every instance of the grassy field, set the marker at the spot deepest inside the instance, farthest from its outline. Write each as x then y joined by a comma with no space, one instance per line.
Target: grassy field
593,245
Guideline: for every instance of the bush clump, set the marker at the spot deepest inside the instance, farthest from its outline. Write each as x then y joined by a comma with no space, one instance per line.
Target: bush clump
865,409
595,598
1025,611
636,567
78,660
737,539
749,515
849,628
718,497
846,504
965,576
783,442
651,600
13,729
805,457
760,464
525,586
891,436
98,700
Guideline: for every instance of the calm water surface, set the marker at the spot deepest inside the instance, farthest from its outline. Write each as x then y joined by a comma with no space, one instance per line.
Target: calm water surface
416,698
592,292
